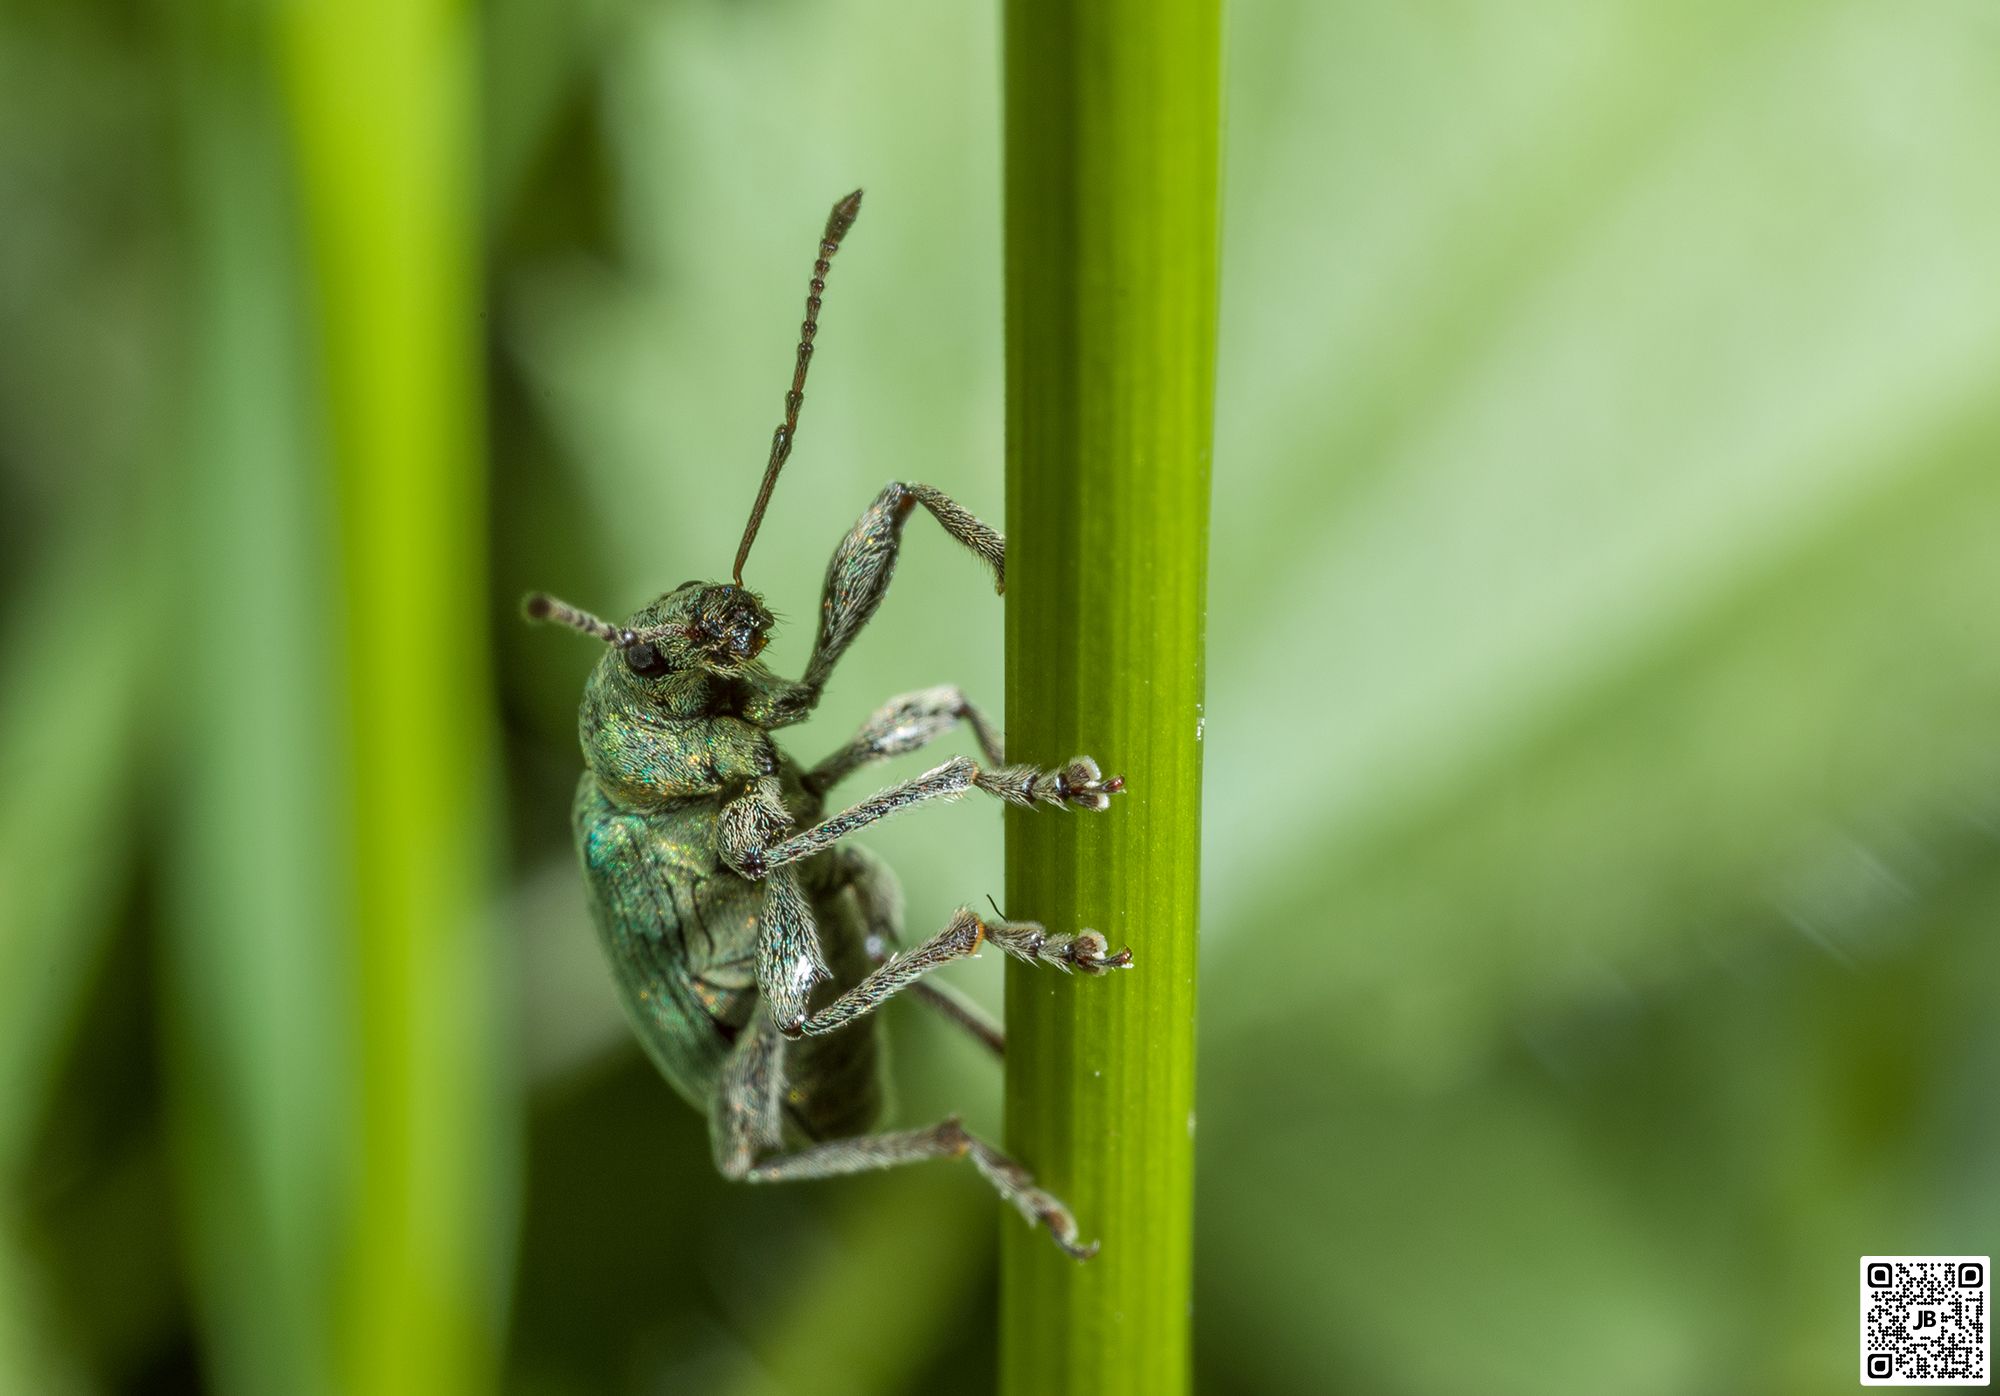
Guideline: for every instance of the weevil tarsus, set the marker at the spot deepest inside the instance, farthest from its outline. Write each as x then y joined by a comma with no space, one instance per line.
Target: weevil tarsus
750,944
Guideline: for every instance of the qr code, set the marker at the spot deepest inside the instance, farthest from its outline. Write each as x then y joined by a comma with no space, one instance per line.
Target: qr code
1923,1320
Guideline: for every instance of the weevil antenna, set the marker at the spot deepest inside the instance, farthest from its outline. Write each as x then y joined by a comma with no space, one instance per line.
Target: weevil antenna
541,606
837,224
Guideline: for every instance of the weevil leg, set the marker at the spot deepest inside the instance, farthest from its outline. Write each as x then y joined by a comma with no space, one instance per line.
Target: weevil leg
903,724
954,1007
865,560
1078,785
790,961
747,1131
962,936
948,1139
745,1115
880,903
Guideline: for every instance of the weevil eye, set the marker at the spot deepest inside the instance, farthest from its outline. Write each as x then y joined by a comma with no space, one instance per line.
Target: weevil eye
645,660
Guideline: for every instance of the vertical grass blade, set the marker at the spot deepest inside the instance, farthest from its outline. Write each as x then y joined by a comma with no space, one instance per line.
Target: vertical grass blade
256,936
1111,174
75,736
383,118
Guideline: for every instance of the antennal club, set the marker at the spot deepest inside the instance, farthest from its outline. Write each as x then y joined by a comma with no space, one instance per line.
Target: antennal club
541,606
837,224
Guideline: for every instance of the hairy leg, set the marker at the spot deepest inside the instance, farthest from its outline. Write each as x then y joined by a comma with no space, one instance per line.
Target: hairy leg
865,560
753,831
962,936
948,1139
746,1134
790,963
745,1122
789,959
955,1008
880,903
1080,785
904,724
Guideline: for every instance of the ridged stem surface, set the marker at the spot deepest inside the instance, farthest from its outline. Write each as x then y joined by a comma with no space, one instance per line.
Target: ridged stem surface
1111,174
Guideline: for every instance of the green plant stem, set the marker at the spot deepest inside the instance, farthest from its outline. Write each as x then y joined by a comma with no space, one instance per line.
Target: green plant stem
1112,129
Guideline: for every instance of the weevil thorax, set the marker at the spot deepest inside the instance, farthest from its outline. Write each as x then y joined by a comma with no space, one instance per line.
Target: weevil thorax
684,660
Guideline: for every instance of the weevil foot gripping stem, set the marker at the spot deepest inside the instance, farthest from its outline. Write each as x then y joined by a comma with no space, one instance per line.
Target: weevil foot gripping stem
1091,953
1087,951
1065,1237
1077,784
1017,1186
1082,785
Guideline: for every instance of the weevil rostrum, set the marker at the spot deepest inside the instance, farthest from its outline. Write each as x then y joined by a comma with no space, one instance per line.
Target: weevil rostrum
751,942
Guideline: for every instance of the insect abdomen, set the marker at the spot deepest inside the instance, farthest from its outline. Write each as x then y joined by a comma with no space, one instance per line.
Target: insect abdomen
682,964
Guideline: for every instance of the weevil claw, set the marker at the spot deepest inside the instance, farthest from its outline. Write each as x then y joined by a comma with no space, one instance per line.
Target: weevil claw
1091,953
1062,1229
1079,1253
1082,785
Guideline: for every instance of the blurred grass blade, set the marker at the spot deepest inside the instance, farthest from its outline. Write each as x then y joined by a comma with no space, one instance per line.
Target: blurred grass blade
1753,827
260,1049
906,1240
383,121
1112,127
71,715
72,719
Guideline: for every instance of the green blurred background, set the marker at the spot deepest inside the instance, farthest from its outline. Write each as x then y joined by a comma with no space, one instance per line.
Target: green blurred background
1603,832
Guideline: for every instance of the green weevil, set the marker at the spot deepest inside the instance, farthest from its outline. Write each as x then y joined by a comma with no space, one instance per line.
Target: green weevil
749,941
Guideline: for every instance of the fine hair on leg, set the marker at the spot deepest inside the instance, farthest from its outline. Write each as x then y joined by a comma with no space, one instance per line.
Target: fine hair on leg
1077,785
1087,952
903,724
864,561
947,1139
746,1132
879,902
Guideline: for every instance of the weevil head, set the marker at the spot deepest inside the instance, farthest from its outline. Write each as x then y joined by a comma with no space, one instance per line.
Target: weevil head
688,655
707,627
713,626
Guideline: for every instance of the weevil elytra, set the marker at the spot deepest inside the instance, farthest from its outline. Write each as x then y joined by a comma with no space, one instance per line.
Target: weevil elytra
749,941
